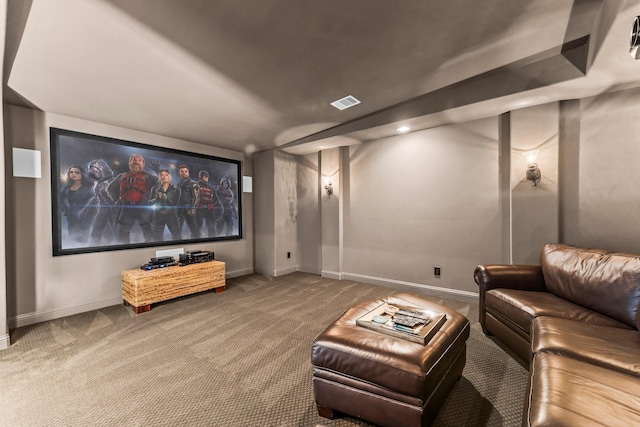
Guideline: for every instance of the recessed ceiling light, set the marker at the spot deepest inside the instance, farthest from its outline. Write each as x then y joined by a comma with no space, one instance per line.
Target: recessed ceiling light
346,102
403,129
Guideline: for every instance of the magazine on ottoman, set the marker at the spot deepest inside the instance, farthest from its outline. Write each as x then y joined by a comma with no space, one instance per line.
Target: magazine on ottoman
409,323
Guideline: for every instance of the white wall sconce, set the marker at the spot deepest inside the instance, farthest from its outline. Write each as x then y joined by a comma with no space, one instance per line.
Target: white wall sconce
328,187
533,172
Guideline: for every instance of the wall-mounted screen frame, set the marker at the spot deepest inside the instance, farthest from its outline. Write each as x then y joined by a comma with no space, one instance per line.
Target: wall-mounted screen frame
109,194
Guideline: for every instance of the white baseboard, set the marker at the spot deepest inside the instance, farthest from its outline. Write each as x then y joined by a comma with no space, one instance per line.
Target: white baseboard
332,274
266,272
309,269
467,296
5,342
238,273
284,271
42,316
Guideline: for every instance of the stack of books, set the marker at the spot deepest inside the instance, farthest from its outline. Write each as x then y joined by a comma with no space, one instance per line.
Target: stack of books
410,323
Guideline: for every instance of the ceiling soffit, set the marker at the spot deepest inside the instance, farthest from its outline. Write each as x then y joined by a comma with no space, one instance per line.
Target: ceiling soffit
259,74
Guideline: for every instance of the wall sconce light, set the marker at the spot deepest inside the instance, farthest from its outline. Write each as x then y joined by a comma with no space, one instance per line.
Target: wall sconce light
533,172
634,41
328,187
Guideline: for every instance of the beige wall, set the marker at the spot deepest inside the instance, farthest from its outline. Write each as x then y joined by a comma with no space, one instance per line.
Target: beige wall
4,326
286,211
607,201
405,204
534,209
433,197
309,221
330,206
276,213
424,199
40,286
264,232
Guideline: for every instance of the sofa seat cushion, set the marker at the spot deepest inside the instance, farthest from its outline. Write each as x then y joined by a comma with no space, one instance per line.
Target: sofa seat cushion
606,282
521,307
608,347
568,392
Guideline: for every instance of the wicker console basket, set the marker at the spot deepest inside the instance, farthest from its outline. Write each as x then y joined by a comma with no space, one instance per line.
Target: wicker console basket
141,288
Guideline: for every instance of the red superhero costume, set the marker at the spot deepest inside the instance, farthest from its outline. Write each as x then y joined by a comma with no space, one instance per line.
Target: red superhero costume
135,188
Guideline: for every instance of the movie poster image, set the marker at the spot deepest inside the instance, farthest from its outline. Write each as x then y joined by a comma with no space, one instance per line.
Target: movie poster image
110,194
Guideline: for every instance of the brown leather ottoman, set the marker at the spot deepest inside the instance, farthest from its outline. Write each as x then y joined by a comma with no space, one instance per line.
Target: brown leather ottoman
386,380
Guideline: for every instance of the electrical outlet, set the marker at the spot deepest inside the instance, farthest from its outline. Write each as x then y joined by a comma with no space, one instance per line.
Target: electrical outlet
288,255
436,270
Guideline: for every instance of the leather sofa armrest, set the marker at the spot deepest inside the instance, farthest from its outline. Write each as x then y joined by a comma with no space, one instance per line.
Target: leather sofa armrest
509,276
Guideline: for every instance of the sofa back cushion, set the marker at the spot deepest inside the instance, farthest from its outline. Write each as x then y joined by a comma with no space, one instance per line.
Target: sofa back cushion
603,281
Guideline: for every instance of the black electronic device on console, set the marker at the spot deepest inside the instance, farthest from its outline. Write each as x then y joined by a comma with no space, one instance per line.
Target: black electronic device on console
150,266
159,262
193,257
162,260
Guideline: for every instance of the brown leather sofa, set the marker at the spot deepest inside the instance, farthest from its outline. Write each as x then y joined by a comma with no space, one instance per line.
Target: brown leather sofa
574,320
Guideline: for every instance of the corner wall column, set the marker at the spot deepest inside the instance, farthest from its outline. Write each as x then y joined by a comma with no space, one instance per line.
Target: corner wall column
332,214
504,186
568,166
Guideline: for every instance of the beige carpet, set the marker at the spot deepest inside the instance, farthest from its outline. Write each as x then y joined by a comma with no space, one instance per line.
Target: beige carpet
236,358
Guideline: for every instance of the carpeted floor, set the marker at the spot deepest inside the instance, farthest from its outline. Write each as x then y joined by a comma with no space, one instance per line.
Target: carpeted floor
236,358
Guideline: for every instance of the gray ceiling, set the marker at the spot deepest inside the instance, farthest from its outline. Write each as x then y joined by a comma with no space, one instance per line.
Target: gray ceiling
250,75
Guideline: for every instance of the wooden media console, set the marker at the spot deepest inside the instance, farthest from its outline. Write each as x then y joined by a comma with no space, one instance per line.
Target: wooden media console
141,288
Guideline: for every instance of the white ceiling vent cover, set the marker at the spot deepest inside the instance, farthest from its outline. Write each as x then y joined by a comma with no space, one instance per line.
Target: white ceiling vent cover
346,102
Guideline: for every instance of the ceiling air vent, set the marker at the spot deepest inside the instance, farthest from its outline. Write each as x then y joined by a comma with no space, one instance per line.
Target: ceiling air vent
346,102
